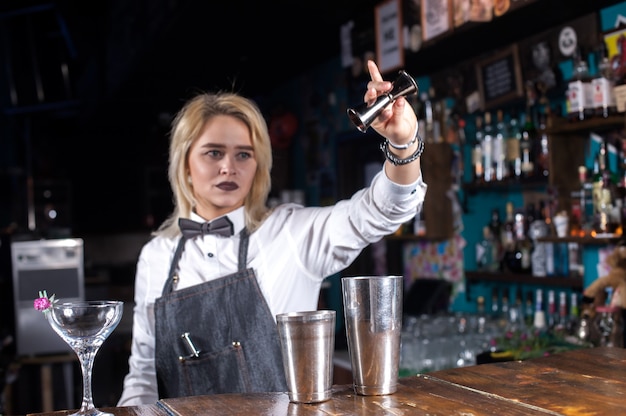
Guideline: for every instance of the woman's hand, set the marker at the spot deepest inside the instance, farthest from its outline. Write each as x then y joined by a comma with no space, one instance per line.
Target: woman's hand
396,122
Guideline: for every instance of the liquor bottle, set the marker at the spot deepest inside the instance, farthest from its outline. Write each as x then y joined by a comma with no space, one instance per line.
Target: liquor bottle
524,251
604,195
574,313
496,227
488,155
505,309
579,91
618,64
526,145
552,315
621,191
487,258
508,239
548,247
516,313
428,117
539,316
586,199
529,309
477,152
495,304
520,260
513,152
577,217
536,230
480,312
542,154
499,155
562,321
603,84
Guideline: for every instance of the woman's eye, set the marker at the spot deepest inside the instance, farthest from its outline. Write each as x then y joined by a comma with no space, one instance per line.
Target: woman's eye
244,155
214,153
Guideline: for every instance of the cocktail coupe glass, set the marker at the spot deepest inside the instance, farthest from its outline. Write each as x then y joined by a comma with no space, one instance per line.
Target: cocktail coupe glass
84,325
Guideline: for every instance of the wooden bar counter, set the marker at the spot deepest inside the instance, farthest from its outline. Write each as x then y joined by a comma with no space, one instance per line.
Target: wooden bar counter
580,382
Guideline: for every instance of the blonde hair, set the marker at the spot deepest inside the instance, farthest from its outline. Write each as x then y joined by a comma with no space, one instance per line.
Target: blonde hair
187,127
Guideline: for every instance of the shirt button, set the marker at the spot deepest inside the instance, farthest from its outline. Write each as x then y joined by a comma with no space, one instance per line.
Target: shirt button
210,254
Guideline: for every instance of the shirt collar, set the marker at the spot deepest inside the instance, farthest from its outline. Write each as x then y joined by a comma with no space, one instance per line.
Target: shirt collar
236,217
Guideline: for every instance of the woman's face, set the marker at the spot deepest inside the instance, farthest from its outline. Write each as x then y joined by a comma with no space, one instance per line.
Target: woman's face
221,166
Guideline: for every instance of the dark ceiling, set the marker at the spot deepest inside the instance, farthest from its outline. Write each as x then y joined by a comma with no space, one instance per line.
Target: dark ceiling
88,88
132,52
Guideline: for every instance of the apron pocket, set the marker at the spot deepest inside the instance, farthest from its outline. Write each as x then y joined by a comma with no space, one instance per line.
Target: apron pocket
220,371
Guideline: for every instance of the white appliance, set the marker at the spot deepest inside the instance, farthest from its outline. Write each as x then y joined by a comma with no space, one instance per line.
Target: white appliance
56,266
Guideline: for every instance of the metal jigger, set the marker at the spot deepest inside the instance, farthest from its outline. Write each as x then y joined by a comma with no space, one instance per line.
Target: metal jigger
363,115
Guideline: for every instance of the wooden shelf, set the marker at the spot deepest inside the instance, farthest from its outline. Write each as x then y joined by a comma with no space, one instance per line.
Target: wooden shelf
574,282
509,185
582,240
561,126
471,40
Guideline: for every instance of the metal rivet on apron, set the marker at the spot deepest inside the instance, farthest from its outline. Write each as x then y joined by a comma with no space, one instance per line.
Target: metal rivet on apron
175,279
236,344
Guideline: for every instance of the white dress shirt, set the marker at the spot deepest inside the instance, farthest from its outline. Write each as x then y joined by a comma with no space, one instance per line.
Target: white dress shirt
291,253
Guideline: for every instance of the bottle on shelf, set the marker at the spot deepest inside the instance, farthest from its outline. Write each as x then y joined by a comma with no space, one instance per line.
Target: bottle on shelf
508,239
574,313
527,144
581,210
552,315
603,85
537,230
549,247
579,90
497,228
488,154
621,189
429,117
542,154
487,258
618,65
562,322
495,304
481,317
529,309
513,152
605,219
523,245
477,152
516,312
499,155
505,307
539,316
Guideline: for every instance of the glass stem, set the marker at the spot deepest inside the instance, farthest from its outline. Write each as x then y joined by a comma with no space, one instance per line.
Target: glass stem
86,357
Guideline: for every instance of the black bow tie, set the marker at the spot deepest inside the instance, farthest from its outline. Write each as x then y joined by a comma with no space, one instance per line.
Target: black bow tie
221,226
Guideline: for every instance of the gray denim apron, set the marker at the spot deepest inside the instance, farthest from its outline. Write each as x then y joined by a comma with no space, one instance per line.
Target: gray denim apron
216,337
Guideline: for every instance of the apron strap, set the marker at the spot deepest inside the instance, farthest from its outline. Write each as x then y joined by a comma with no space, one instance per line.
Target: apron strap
243,249
169,284
172,276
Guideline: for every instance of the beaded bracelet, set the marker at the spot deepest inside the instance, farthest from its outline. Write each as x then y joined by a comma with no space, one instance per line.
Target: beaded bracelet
395,160
409,144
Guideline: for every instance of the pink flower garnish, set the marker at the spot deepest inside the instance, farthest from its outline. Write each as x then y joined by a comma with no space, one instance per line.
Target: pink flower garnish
43,303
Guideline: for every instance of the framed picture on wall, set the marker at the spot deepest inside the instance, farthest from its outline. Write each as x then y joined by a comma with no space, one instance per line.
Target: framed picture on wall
500,77
437,18
389,44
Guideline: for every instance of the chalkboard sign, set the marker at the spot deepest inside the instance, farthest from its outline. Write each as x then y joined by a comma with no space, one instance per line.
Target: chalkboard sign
499,77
